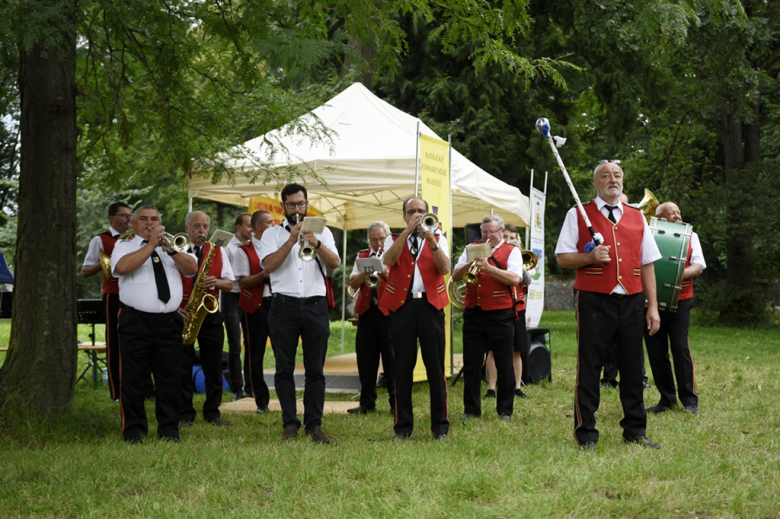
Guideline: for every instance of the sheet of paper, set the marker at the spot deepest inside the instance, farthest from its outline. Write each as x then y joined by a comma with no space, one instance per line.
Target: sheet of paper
315,224
369,265
221,238
477,251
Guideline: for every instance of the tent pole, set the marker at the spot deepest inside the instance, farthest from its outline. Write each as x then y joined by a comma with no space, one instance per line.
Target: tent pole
452,264
189,207
545,183
528,224
344,280
417,160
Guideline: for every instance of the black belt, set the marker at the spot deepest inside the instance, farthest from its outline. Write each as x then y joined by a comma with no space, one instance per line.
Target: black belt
300,300
123,306
268,299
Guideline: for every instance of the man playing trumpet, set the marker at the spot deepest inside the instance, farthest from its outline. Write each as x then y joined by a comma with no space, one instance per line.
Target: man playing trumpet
150,291
415,298
489,317
373,331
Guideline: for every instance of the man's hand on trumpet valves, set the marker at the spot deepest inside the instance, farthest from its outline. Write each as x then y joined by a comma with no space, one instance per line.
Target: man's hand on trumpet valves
294,232
309,237
155,235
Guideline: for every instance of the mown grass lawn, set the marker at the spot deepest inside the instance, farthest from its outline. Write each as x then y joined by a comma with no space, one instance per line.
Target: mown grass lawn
725,462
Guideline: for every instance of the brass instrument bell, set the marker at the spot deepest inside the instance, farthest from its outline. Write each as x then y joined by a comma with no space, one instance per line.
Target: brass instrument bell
648,205
429,222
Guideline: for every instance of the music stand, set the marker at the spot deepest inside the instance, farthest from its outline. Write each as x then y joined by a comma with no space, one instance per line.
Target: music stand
91,311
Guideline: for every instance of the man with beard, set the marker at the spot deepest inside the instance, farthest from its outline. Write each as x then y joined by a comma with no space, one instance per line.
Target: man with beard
299,309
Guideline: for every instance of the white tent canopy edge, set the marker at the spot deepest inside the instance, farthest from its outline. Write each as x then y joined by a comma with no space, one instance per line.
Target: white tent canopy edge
368,168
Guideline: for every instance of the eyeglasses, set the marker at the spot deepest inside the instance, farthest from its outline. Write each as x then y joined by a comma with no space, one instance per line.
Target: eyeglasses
410,212
293,205
488,233
611,161
124,215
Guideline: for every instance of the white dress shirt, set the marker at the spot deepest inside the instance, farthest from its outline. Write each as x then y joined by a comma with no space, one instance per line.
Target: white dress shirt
138,289
417,282
231,250
569,238
241,264
227,269
95,245
697,256
295,277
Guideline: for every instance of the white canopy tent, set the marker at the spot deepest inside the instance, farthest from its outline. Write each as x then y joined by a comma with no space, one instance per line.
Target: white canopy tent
368,168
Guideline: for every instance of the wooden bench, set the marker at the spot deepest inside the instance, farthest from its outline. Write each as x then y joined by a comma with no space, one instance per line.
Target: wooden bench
93,351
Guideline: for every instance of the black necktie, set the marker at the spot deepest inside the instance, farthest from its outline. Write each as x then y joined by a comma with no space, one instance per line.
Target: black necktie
198,254
415,246
611,216
117,236
160,279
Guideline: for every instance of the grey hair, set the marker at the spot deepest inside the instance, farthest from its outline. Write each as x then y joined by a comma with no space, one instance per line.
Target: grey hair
142,207
492,218
377,225
188,219
596,169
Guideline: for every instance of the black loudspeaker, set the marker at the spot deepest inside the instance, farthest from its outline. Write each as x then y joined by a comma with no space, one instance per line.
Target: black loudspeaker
473,232
537,364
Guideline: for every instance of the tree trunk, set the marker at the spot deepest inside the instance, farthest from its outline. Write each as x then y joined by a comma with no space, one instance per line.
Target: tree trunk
41,364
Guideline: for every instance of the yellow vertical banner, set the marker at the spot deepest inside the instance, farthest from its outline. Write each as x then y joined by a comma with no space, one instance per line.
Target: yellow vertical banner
435,189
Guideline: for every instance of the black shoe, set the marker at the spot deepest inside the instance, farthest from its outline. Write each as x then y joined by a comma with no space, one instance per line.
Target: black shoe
606,385
116,400
505,417
471,415
138,440
238,395
185,423
588,446
401,437
646,384
691,409
263,410
318,436
361,409
657,409
491,393
641,440
172,439
519,392
290,432
218,421
440,437
381,381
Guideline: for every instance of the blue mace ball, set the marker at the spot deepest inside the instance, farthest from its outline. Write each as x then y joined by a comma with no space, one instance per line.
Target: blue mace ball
543,127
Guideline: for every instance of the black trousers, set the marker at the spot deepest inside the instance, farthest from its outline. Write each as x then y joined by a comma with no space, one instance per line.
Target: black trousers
233,319
149,344
419,319
371,342
674,329
611,370
211,339
256,335
601,320
289,319
485,330
111,305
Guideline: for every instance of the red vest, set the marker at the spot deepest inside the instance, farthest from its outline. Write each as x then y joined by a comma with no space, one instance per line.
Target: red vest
251,298
687,284
400,280
488,292
215,270
624,239
521,302
363,302
110,285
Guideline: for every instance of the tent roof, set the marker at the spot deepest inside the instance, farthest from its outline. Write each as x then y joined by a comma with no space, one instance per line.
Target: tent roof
368,168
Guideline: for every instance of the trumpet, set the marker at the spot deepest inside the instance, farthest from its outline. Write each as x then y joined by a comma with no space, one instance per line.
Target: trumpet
372,280
429,222
178,243
470,277
306,252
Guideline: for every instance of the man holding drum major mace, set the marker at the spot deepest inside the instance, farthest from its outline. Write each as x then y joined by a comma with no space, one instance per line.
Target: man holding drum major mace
611,277
674,332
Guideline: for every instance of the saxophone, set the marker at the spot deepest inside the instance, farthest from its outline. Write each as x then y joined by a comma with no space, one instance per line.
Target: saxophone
200,303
